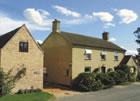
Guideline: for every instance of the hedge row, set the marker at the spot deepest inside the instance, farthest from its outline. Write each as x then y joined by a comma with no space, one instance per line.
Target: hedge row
96,81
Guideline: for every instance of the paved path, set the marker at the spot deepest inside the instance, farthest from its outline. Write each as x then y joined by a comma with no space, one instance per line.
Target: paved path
118,93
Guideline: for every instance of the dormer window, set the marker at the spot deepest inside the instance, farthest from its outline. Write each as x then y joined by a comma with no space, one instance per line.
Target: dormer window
87,54
23,46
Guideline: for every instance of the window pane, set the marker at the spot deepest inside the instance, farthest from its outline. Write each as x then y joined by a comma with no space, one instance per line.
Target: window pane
87,56
23,46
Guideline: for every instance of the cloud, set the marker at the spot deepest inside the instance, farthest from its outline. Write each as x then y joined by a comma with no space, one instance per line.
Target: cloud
103,16
7,24
131,52
87,16
107,25
127,16
81,20
39,41
66,11
73,21
112,39
38,17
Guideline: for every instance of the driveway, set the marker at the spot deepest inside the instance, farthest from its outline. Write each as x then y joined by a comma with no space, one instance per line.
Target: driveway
118,93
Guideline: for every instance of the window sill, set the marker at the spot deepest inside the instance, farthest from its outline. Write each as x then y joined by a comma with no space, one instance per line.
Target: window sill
87,59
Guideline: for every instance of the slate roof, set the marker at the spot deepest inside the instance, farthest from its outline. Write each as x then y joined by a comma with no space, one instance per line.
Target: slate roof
125,60
6,37
81,40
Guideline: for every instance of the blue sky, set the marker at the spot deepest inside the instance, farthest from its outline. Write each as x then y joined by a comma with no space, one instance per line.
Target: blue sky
92,17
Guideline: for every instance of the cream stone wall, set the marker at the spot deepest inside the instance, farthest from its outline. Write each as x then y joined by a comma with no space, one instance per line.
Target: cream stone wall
79,63
31,60
57,59
131,62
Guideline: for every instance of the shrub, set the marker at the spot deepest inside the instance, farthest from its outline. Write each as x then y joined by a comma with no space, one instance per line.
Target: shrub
138,76
115,76
86,82
129,75
122,77
105,79
26,91
83,82
109,70
20,91
96,70
37,90
7,80
97,85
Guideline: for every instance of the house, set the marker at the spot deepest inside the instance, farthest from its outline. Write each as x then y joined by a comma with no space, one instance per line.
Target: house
66,54
129,60
18,50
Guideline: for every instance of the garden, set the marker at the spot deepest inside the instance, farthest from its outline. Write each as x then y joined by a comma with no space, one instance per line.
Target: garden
7,83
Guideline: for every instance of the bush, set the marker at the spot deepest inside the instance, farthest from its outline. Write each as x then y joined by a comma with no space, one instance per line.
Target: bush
8,80
109,70
26,91
95,81
20,91
97,85
86,82
122,77
96,70
105,79
37,90
129,75
115,76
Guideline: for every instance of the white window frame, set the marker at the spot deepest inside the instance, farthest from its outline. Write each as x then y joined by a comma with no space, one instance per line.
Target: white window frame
88,54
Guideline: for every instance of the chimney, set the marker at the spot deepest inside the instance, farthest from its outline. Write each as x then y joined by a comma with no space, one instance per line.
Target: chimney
105,36
56,26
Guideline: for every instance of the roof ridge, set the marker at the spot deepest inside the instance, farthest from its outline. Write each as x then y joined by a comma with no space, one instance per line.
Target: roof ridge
88,36
7,36
81,35
90,41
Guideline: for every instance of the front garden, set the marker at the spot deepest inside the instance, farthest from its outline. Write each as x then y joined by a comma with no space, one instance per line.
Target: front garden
97,80
7,83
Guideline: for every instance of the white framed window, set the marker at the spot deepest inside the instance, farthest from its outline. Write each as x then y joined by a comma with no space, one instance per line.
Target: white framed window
103,55
87,54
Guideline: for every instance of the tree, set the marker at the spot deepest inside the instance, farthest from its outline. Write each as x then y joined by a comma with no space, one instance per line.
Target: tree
137,34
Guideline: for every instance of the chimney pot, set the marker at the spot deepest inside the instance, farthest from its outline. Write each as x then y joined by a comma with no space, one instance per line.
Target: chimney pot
105,36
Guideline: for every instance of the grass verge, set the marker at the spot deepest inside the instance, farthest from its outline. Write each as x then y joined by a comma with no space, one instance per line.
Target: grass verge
42,96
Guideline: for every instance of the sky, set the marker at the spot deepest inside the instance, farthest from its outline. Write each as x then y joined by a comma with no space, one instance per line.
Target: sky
88,17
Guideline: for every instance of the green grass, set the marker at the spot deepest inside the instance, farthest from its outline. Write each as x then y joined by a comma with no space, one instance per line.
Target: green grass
27,97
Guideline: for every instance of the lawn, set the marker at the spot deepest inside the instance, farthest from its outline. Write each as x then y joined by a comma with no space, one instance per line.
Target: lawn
27,97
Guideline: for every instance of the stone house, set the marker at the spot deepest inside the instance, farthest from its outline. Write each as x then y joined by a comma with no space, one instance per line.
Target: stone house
66,54
130,60
18,50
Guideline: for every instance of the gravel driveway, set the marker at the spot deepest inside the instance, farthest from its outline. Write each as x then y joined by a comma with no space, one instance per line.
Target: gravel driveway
118,93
